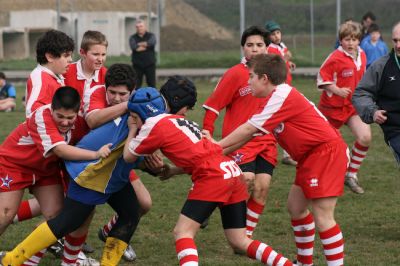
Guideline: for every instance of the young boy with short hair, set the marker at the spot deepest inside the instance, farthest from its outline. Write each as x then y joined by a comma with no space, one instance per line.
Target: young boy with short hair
373,45
317,147
54,55
89,70
7,94
257,159
338,78
278,47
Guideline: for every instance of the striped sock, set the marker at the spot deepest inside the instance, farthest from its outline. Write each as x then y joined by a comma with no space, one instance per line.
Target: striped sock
254,210
304,234
358,153
187,252
35,259
264,253
107,227
72,247
332,241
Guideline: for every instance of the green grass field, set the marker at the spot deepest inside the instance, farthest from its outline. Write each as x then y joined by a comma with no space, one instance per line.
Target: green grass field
370,222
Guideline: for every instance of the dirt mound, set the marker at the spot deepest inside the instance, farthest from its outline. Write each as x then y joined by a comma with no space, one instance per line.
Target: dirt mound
175,38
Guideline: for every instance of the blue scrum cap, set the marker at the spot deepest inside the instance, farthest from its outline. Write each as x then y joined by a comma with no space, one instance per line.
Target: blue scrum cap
146,102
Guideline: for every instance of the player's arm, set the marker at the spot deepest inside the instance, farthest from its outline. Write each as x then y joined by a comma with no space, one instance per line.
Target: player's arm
68,152
133,125
99,117
238,138
342,92
169,171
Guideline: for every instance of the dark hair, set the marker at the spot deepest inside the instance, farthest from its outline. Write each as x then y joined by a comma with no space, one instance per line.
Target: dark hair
254,30
271,65
2,75
66,97
370,15
179,92
373,27
55,43
121,74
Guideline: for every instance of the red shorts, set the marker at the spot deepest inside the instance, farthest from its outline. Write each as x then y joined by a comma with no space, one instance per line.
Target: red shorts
337,117
13,180
265,146
218,179
321,173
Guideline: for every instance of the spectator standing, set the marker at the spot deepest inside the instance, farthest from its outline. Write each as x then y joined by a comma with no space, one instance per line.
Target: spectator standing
377,97
7,94
373,46
142,44
366,21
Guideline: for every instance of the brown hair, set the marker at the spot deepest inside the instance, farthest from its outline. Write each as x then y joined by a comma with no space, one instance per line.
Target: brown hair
271,65
92,37
352,29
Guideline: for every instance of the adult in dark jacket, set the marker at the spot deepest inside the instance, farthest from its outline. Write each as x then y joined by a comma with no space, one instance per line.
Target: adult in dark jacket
142,44
377,96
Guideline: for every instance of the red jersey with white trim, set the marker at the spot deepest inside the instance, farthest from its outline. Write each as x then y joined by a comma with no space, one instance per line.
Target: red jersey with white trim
281,49
179,139
77,79
342,69
94,98
297,124
234,94
28,148
40,88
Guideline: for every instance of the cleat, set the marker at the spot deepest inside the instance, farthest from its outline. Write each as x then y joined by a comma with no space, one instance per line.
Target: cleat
2,255
101,235
83,260
352,183
129,254
57,249
289,161
86,248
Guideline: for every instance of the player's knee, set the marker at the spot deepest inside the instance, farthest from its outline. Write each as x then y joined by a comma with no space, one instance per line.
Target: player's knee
6,216
365,139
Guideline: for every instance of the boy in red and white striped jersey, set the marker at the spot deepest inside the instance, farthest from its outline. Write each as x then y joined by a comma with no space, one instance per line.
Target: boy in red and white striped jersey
318,148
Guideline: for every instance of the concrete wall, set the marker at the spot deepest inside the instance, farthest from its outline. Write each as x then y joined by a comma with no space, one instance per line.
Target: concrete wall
117,26
14,44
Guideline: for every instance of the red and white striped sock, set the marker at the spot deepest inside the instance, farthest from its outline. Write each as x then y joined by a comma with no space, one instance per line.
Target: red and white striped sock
358,153
264,253
304,235
35,259
187,252
254,210
72,247
24,212
107,227
332,241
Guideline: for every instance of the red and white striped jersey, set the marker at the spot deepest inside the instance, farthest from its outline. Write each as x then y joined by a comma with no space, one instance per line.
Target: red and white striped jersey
341,69
297,124
94,98
77,79
180,140
40,88
281,50
28,148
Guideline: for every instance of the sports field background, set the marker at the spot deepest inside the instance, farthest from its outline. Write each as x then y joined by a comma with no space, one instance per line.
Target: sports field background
370,222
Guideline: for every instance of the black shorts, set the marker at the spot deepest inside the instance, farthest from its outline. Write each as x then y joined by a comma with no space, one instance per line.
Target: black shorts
258,166
232,215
